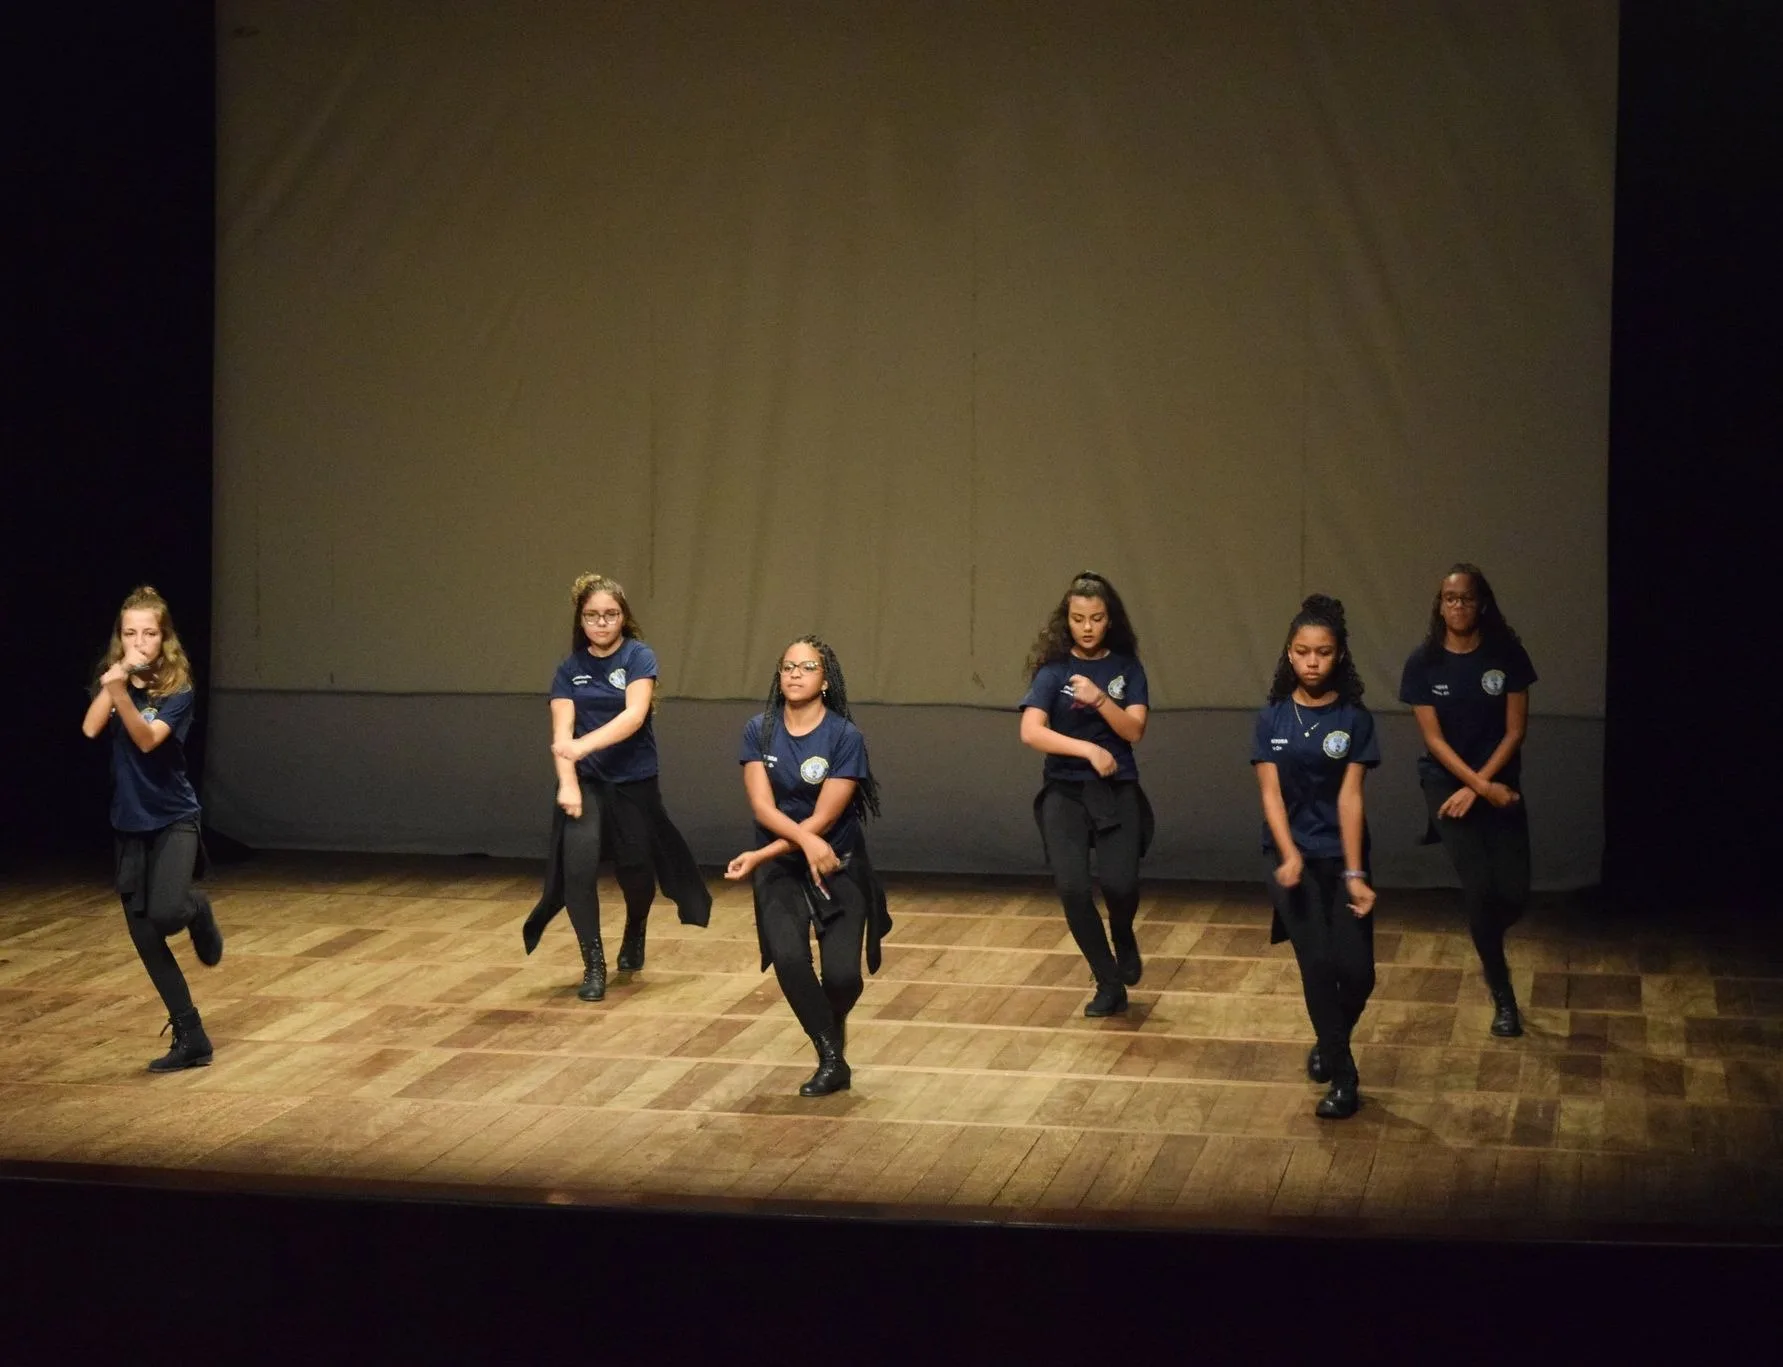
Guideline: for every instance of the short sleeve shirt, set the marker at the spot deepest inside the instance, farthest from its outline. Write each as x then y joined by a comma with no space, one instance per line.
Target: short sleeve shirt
1312,749
798,765
1122,677
150,790
596,684
1469,694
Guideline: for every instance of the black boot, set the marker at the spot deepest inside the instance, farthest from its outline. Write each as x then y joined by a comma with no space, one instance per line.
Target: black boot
631,946
1126,954
191,1046
1317,1070
594,972
207,935
832,1073
1506,1022
1110,1000
1344,1098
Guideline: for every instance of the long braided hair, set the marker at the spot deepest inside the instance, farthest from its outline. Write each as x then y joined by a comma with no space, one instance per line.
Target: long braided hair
835,698
1054,641
1494,630
1319,611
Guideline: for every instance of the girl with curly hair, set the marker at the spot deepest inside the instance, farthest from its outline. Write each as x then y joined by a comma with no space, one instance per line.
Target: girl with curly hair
1313,745
1085,710
810,787
143,702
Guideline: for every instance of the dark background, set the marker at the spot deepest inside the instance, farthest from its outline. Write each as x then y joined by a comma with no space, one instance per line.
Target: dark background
109,435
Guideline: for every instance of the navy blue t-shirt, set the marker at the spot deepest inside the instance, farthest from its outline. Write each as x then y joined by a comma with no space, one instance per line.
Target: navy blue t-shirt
1468,692
150,789
1121,677
596,684
798,765
1311,753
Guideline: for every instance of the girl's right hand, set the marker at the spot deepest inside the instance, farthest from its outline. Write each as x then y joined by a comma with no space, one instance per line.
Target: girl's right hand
1288,874
819,856
1101,761
116,674
569,797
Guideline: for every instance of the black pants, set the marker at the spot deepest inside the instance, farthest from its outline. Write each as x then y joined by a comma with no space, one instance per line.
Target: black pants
621,820
158,903
787,922
1489,848
1335,950
1068,832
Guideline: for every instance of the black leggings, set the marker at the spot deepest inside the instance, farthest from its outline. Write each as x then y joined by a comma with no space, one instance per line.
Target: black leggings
165,907
1335,950
1066,827
623,821
786,924
1489,848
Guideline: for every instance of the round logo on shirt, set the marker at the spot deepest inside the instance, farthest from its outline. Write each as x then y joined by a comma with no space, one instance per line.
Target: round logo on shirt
1117,687
150,713
813,769
1337,744
617,678
1493,681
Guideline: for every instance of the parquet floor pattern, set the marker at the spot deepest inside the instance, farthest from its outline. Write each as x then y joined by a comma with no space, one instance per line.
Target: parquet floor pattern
376,1021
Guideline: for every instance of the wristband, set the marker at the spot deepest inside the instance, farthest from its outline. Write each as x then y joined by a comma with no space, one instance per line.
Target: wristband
1355,873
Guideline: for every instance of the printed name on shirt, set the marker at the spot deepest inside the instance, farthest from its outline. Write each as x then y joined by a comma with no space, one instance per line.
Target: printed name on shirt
583,679
1440,689
1278,742
1493,681
769,761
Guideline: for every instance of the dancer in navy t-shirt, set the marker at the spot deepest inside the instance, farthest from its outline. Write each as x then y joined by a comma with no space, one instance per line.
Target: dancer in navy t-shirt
810,786
1468,686
603,743
1314,743
144,703
1085,710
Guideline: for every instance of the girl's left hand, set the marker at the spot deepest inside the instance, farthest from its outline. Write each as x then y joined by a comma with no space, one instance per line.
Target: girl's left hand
741,867
116,674
1361,897
1084,692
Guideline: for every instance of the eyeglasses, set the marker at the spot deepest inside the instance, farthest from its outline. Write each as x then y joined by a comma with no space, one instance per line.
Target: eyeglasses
1458,600
596,619
791,667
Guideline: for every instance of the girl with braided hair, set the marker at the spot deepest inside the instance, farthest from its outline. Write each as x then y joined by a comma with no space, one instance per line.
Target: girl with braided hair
1313,745
810,788
1085,710
1468,686
603,745
143,701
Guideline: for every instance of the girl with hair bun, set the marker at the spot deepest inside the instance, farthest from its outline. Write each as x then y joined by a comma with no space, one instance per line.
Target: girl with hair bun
810,786
1468,686
1313,746
1085,710
603,745
143,701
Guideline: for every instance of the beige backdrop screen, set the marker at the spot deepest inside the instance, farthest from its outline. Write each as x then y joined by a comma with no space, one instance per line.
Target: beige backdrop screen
881,319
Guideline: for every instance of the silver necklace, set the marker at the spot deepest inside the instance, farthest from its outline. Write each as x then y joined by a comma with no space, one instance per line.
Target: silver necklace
1301,721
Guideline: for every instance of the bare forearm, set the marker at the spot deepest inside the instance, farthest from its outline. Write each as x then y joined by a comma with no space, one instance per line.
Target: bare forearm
98,713
1507,748
139,731
621,728
1444,754
1350,825
1120,721
1275,812
1050,742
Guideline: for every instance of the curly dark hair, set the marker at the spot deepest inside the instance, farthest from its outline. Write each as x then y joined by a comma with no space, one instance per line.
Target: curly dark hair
835,698
1317,610
1494,630
1054,641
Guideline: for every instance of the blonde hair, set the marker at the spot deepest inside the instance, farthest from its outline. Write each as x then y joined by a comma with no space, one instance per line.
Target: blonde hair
584,588
172,671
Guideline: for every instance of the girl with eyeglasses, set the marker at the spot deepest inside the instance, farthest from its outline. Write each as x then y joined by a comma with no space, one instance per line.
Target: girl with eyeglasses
1468,686
1085,710
810,788
143,701
1313,746
603,745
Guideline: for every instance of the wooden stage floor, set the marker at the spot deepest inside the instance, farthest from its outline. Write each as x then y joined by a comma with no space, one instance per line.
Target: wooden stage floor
378,1025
